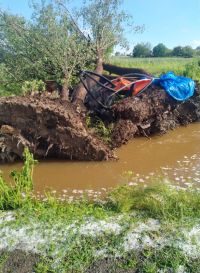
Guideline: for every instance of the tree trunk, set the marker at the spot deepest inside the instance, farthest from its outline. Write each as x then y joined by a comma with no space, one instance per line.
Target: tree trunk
65,89
80,91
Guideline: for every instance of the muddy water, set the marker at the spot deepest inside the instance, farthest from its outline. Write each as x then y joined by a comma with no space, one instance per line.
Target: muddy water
176,154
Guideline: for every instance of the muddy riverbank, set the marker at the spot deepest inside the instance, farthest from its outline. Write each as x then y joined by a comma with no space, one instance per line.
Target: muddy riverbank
53,129
175,155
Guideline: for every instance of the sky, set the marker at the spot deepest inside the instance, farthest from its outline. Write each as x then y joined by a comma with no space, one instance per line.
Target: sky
172,22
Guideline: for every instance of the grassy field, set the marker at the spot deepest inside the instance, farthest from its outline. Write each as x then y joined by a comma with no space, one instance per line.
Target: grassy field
144,229
156,66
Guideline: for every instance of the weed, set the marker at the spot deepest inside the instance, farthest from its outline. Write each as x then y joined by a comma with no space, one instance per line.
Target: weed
100,128
31,87
12,197
192,70
3,259
158,200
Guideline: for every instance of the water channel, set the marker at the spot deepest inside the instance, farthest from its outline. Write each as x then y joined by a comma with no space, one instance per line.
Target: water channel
175,155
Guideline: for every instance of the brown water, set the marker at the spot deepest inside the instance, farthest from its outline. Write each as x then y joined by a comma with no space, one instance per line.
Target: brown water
176,155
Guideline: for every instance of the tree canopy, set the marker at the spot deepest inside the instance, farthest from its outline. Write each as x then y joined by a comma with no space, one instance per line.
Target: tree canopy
53,43
142,50
47,46
160,50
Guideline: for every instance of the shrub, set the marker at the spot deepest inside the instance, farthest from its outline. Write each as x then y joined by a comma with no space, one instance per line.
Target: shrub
31,87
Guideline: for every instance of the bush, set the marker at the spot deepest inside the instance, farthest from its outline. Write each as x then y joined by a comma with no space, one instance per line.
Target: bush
31,87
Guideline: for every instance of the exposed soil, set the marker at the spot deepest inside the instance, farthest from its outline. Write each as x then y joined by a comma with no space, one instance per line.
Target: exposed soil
154,111
49,128
108,265
23,262
18,262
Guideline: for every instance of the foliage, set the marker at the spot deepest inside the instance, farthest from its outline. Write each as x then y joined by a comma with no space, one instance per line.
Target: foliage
100,128
142,50
188,52
13,196
180,51
46,47
106,23
30,87
160,51
192,70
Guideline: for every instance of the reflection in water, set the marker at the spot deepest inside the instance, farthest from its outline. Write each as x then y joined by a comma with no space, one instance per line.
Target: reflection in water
176,155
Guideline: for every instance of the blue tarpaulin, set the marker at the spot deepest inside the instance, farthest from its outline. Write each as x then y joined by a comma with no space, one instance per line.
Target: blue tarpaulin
180,88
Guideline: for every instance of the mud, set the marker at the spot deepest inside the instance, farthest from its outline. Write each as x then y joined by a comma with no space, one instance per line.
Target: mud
108,265
49,128
23,262
153,112
18,262
54,129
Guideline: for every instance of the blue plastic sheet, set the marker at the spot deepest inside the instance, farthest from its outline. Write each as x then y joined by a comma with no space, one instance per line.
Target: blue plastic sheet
180,88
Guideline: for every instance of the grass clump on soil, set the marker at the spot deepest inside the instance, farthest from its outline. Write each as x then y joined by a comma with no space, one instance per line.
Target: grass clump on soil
147,229
100,128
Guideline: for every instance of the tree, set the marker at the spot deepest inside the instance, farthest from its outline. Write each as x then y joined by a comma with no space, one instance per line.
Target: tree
177,51
160,50
49,45
197,50
188,52
105,22
142,50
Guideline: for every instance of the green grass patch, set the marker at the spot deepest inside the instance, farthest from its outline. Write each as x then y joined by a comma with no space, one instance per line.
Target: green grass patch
100,128
158,200
180,66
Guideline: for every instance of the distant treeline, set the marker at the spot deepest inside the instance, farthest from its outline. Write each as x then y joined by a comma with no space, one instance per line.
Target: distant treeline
143,50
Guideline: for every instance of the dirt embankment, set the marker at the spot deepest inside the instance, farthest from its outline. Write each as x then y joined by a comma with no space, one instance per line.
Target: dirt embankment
154,111
54,129
49,128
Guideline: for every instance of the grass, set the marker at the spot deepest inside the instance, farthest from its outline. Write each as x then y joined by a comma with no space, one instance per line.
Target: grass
180,66
101,129
154,228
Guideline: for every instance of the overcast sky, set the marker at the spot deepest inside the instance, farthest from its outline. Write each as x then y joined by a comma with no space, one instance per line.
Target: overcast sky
172,22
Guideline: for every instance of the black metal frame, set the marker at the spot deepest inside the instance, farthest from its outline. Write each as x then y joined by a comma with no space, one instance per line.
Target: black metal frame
91,75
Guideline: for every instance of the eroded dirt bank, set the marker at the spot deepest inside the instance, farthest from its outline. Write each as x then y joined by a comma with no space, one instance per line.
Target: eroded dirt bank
154,111
53,129
48,128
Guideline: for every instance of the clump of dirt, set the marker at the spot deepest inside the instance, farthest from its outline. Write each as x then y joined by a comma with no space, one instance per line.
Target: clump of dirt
108,265
153,112
49,128
18,261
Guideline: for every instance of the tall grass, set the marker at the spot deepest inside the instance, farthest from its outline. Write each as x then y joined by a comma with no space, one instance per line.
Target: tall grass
13,196
157,200
157,66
